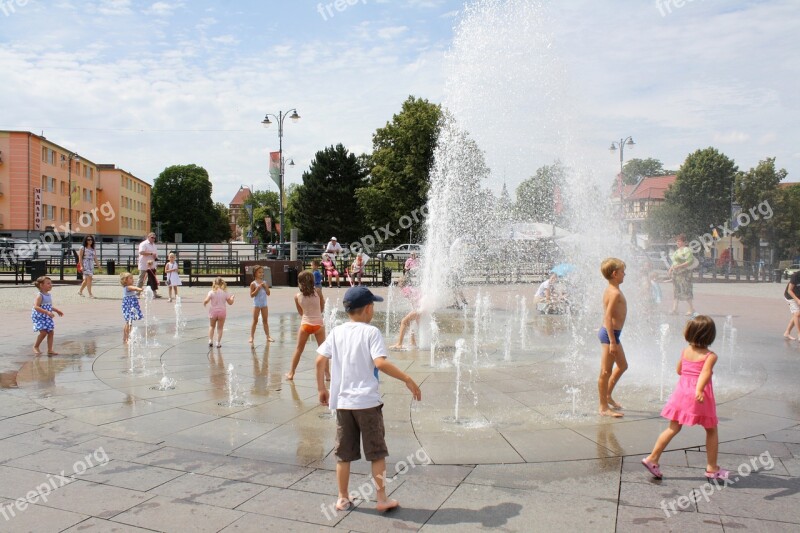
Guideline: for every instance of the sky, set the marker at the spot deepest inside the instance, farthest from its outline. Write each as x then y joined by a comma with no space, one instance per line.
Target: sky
146,85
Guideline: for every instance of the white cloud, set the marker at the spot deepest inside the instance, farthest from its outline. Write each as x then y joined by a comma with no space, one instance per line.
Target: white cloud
392,32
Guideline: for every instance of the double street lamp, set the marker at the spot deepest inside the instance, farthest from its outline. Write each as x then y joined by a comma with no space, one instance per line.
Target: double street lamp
280,118
621,144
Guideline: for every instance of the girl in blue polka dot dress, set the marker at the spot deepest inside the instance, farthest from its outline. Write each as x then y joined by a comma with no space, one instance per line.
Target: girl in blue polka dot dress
42,315
130,303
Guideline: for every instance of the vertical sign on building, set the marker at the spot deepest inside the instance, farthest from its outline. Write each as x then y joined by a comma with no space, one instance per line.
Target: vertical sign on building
37,209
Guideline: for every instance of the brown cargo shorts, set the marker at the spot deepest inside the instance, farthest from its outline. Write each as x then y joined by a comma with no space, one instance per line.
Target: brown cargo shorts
355,425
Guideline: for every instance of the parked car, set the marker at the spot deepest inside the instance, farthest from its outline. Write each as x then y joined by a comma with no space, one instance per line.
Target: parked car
401,252
791,269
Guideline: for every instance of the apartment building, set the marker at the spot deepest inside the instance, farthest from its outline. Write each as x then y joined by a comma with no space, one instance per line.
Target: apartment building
45,187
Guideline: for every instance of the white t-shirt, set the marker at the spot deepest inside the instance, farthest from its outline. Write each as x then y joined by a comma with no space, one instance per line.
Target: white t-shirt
542,288
351,347
333,247
147,246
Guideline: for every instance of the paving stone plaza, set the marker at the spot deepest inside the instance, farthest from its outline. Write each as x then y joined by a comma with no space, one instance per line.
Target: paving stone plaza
89,443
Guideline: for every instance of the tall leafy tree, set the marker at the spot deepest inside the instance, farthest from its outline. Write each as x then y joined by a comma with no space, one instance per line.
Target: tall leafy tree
325,204
540,197
222,229
400,164
756,188
181,201
785,226
703,189
636,169
264,204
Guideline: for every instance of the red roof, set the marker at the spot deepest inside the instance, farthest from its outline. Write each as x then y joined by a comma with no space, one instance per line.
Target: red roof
242,195
650,187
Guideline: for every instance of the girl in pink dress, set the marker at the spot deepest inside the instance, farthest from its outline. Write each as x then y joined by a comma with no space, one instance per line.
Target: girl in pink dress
692,402
218,297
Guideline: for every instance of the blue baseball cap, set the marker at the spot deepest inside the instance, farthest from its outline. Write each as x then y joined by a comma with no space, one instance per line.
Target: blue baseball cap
357,297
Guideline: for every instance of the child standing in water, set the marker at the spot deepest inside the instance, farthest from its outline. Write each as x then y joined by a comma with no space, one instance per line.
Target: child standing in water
173,278
692,402
130,304
42,315
615,309
310,306
317,276
259,290
218,296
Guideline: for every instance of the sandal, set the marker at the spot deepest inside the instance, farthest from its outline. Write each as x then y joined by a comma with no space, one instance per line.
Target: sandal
653,469
719,474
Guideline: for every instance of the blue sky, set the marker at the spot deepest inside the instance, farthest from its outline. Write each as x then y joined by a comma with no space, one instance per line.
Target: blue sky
148,84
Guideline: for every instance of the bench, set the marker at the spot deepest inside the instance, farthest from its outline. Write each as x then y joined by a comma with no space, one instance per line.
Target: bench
210,270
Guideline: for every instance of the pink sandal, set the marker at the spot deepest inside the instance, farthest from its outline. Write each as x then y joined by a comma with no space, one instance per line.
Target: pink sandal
653,469
719,474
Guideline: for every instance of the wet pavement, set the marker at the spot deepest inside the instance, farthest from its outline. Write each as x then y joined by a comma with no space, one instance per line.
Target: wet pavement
524,448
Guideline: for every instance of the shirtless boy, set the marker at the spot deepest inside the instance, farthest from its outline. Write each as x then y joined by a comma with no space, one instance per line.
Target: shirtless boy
615,308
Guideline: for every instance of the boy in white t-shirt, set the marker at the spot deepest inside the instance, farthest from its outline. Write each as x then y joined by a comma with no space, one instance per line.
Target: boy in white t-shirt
356,351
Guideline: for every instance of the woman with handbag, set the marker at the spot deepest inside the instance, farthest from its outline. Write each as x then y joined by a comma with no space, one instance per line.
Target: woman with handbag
683,262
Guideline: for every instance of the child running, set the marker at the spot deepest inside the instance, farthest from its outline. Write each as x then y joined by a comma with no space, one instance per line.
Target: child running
615,309
692,402
130,304
310,306
42,315
173,278
218,296
259,290
356,352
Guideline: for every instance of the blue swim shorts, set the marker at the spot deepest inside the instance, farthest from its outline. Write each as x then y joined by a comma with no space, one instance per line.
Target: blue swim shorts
602,334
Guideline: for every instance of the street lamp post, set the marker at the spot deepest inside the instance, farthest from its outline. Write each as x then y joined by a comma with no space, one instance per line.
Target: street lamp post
280,118
621,145
69,159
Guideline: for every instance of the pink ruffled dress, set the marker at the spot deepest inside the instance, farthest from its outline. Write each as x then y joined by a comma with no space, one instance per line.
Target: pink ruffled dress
682,405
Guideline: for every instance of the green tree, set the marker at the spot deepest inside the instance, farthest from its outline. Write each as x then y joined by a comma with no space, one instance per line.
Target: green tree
325,204
181,201
702,189
636,169
667,220
264,204
785,225
400,164
756,188
222,228
539,198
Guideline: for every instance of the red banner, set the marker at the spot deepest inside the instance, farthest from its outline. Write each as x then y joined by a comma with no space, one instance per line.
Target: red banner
268,223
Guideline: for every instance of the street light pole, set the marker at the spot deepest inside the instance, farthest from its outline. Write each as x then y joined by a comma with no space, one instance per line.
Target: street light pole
281,117
72,157
621,145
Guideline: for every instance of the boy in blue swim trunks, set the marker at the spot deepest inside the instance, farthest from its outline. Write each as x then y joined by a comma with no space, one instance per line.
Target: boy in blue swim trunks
615,309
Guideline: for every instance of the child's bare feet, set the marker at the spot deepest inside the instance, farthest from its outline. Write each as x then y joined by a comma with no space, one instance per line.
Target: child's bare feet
343,504
270,339
396,347
611,413
52,353
614,405
290,376
37,351
250,340
387,505
788,337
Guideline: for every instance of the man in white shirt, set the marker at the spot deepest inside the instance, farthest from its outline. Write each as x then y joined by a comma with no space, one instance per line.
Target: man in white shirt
147,251
333,247
356,351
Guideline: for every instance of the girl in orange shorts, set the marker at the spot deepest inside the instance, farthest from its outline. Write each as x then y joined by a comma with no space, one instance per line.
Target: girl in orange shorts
310,306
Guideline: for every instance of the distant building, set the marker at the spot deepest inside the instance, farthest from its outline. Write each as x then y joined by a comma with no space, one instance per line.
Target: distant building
235,209
130,198
639,199
45,187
